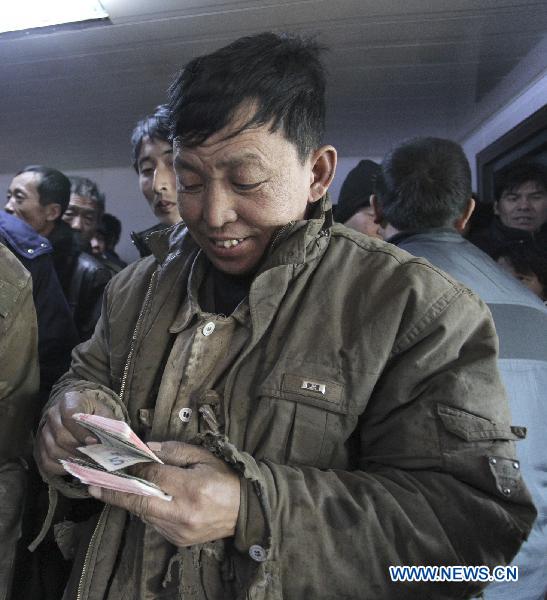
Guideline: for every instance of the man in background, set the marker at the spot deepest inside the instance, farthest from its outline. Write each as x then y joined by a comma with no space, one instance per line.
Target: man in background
40,196
152,153
423,199
353,208
520,210
103,243
89,276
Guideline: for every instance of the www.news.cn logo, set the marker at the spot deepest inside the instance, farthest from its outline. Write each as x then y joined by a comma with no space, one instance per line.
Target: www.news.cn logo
453,573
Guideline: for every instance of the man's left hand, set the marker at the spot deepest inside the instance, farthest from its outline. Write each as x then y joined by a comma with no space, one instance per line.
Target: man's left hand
205,494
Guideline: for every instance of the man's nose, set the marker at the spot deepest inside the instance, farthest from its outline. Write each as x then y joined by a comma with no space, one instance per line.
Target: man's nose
218,208
161,180
524,203
76,223
10,208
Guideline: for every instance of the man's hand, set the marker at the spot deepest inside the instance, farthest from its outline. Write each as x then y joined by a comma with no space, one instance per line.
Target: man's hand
205,494
60,435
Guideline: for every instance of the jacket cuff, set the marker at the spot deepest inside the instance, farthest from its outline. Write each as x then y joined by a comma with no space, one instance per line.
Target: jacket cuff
253,523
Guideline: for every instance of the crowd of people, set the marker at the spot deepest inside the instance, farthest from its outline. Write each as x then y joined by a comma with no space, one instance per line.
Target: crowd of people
332,390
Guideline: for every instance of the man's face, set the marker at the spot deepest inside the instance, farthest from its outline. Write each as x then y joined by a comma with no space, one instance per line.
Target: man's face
236,193
82,215
98,244
524,207
23,201
364,221
157,179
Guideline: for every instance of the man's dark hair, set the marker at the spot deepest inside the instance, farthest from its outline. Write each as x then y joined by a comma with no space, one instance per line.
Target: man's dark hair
111,227
86,188
424,183
155,126
512,177
281,74
53,188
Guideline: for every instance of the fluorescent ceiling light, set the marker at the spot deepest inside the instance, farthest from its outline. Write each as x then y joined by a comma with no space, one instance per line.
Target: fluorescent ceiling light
28,14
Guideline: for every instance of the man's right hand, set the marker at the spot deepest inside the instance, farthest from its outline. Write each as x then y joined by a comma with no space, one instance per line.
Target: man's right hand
60,435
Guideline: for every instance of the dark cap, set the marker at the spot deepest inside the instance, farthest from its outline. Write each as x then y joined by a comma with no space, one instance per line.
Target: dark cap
356,190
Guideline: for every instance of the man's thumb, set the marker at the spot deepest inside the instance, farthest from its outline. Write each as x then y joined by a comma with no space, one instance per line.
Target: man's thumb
179,454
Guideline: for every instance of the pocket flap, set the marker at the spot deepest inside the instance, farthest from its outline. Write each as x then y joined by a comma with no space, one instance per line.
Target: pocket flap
473,428
323,393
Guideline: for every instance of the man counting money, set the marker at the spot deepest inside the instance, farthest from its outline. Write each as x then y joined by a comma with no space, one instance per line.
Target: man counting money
325,404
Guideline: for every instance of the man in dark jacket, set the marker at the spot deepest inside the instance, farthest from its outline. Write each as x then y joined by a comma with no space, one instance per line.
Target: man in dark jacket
520,210
423,195
153,161
40,196
56,331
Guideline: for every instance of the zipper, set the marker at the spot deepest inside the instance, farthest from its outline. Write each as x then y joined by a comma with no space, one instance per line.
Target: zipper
100,522
280,233
104,512
135,335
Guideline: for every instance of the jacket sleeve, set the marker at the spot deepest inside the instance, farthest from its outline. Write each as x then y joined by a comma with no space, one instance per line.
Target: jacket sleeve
436,480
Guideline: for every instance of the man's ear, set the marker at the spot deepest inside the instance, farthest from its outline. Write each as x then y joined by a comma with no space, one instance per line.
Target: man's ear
53,211
461,222
496,210
323,166
377,207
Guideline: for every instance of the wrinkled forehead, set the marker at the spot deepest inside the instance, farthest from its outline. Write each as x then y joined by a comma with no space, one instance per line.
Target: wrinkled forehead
83,203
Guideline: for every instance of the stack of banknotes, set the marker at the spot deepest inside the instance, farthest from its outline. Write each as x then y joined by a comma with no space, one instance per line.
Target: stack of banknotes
119,447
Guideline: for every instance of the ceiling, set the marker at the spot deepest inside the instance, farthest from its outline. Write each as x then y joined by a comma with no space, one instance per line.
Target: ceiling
70,98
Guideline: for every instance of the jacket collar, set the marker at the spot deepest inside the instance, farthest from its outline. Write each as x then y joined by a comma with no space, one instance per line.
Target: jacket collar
22,239
437,233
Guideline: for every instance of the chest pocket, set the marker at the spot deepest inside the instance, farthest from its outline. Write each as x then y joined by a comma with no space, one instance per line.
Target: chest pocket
303,421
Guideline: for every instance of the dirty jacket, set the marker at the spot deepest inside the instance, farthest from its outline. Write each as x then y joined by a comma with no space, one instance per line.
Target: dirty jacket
365,416
521,322
19,374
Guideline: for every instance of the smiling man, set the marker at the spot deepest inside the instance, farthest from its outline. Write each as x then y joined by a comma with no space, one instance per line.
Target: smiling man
316,395
153,160
520,210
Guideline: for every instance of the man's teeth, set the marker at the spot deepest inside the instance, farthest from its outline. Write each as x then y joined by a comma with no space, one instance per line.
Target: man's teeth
228,243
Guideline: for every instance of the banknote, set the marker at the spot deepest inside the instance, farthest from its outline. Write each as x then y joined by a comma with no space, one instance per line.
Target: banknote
120,482
119,447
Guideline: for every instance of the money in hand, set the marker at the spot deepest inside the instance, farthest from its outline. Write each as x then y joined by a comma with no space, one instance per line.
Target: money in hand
119,447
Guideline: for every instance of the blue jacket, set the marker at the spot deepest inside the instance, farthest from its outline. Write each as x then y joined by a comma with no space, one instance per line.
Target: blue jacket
521,322
56,330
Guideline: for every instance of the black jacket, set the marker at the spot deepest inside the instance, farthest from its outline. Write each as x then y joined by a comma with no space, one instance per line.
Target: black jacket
82,277
497,236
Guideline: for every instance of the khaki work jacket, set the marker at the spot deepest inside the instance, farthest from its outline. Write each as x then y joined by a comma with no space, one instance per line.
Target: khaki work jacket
365,416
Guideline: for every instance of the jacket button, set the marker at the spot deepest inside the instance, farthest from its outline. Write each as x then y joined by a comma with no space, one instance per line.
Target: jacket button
507,491
209,328
43,245
516,465
257,553
492,460
185,414
30,251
